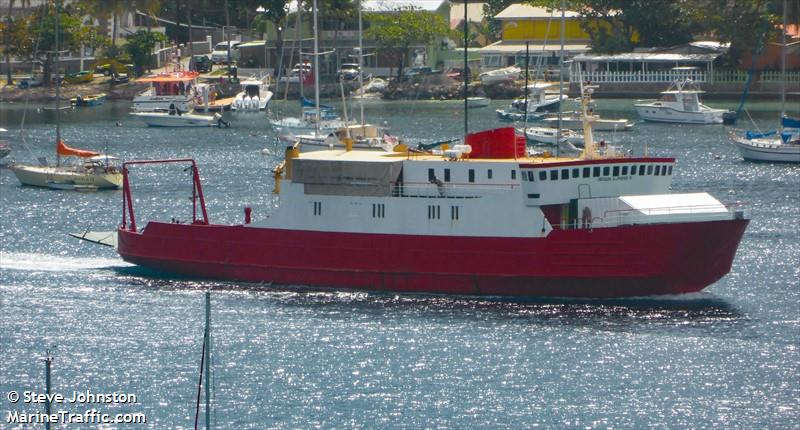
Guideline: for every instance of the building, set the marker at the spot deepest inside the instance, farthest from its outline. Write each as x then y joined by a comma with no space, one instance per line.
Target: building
540,28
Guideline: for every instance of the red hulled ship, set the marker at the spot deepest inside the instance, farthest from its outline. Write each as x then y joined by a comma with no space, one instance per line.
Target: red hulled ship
480,218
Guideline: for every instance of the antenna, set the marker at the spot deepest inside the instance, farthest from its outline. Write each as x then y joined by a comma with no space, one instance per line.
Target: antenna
466,75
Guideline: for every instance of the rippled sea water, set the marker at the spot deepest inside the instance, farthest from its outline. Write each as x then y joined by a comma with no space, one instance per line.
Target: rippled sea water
292,358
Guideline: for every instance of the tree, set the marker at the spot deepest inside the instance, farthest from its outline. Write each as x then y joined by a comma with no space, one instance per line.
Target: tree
7,30
275,12
109,9
140,46
403,28
338,13
490,9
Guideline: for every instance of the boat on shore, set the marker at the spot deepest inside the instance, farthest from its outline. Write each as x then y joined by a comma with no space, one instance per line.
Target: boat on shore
89,100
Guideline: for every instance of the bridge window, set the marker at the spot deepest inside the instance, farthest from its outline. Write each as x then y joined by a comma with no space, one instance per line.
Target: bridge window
554,175
564,173
670,170
576,173
658,170
447,175
616,171
530,175
596,172
586,172
641,170
650,169
664,170
624,170
542,175
472,175
606,170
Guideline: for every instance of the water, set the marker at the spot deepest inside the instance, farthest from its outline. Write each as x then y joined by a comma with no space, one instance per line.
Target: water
291,358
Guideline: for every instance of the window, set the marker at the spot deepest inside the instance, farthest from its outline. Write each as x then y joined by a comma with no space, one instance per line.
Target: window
472,175
650,169
431,175
606,170
586,172
454,212
554,175
596,172
641,170
524,177
616,171
317,208
670,171
513,175
658,170
564,173
542,175
533,196
447,175
489,174
624,170
378,210
664,170
433,212
576,173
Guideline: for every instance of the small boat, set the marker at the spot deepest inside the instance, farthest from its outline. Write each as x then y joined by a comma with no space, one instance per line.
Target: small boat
680,103
535,103
367,137
782,147
90,100
255,96
81,77
507,74
97,171
517,116
174,119
5,148
550,135
573,121
475,102
178,88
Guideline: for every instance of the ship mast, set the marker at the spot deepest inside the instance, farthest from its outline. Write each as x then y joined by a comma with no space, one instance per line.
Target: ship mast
316,68
361,65
58,84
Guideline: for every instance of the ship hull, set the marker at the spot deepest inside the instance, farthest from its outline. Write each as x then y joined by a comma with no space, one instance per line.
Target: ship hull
605,262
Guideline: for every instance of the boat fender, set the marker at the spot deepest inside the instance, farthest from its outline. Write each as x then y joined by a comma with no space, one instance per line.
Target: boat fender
247,211
586,217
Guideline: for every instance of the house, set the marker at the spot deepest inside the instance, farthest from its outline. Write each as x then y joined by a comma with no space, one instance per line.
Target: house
540,28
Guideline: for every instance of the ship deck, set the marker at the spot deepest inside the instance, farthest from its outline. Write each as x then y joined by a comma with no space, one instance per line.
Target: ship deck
378,156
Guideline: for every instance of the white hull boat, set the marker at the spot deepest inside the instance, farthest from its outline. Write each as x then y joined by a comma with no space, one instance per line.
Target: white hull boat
255,96
550,135
679,104
575,123
165,119
507,74
768,150
66,177
476,102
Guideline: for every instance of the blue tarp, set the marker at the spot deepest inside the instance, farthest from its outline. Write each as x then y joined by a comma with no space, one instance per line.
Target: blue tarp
309,103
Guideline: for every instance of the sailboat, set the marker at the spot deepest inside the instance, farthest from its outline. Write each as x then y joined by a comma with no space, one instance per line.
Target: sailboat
780,145
95,171
314,117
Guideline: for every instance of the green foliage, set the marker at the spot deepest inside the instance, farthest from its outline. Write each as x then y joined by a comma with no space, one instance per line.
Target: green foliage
728,21
490,9
403,28
140,47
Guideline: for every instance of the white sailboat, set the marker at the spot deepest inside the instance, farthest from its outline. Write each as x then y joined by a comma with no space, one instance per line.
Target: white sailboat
776,146
94,171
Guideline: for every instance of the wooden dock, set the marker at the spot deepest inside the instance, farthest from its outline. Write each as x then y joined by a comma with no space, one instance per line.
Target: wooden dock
216,105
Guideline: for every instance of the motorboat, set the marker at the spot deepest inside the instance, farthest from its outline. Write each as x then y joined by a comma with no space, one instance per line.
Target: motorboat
177,88
551,136
255,96
680,103
476,102
174,118
572,120
5,148
506,74
89,100
536,102
367,136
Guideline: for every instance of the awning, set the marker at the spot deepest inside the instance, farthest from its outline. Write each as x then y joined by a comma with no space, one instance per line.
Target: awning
508,48
65,150
647,57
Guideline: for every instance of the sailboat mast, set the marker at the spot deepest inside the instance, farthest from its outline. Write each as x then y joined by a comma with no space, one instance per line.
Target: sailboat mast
316,67
58,84
560,75
525,90
466,75
207,359
361,65
783,60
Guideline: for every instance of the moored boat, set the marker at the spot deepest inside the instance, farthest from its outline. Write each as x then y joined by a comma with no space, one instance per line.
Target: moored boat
255,96
173,119
178,89
89,100
680,103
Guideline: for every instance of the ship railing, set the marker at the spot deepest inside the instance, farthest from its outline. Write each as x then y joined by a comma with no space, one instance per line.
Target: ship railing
449,190
671,214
